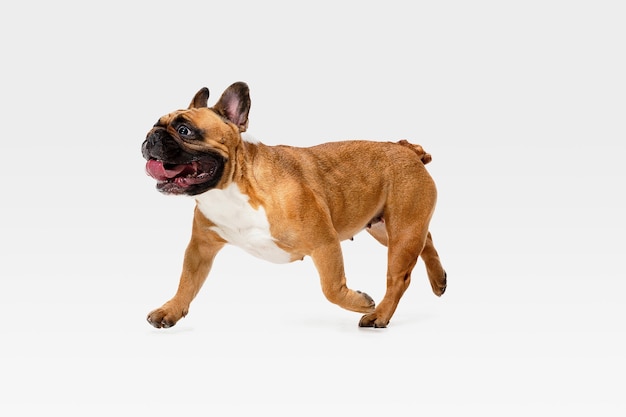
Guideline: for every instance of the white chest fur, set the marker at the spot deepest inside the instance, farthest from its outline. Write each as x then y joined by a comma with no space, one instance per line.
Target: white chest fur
239,224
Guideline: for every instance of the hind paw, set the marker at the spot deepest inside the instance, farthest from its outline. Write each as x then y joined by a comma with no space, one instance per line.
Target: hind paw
372,320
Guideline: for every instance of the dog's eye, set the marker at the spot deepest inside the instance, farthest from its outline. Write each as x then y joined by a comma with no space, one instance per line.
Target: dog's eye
183,131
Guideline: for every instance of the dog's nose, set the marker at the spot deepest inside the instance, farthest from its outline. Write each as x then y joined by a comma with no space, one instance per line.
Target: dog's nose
144,149
154,136
160,145
150,145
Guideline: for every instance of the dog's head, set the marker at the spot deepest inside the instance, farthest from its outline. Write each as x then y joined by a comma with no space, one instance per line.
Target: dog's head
193,150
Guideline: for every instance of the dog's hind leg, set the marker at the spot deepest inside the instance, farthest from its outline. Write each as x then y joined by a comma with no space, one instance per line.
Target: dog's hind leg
404,248
436,274
328,260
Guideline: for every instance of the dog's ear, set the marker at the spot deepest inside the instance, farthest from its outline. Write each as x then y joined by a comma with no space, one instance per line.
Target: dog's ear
200,99
234,105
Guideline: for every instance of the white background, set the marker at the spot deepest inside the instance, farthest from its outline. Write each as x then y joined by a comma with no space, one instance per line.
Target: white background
522,106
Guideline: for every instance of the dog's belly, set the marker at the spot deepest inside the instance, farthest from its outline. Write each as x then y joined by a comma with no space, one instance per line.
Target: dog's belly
239,224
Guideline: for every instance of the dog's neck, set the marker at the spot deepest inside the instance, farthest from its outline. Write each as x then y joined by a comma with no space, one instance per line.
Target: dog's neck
240,172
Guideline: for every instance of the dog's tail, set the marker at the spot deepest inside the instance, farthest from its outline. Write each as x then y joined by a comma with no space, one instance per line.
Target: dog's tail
423,155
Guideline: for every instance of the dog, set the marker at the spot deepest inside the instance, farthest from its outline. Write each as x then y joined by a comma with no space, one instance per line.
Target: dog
282,203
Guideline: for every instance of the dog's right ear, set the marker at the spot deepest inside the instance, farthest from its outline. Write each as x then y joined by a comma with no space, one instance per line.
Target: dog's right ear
234,105
201,99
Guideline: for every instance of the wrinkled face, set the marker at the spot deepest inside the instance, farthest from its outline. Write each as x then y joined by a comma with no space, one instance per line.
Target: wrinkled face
187,151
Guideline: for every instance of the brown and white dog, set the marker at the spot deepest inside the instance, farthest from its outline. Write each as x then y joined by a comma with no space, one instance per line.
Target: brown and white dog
283,203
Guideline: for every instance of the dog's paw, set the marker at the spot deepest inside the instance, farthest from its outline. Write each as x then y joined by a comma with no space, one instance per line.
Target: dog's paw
439,286
164,317
372,320
367,303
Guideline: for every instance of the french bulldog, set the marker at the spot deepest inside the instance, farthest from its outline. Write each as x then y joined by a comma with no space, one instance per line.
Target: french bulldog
282,203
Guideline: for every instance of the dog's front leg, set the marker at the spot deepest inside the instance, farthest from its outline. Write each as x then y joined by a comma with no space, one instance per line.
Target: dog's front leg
201,251
328,260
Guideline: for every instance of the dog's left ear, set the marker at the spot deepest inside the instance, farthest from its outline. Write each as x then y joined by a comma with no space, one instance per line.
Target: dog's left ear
200,99
234,105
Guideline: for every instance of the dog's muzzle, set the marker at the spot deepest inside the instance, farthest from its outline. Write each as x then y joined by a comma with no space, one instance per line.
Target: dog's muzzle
178,171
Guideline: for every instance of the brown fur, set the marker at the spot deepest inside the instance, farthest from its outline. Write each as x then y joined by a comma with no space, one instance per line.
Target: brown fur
314,198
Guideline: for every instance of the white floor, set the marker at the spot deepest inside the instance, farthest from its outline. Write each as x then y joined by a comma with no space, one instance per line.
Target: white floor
522,109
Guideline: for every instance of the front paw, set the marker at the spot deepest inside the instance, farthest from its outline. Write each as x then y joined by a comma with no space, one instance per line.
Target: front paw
165,316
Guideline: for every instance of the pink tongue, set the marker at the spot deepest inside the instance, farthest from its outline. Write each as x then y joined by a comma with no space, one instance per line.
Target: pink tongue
156,170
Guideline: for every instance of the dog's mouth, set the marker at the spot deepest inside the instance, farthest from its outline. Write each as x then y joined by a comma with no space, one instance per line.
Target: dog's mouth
189,178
